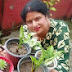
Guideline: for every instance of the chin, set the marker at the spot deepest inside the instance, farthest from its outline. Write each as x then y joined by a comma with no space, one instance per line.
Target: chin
39,33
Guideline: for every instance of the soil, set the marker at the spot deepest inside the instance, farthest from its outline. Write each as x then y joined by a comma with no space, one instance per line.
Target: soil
27,67
39,54
51,65
7,68
13,48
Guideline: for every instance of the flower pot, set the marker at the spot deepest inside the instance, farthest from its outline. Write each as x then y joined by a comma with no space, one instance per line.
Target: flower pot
15,57
26,64
51,65
38,53
11,67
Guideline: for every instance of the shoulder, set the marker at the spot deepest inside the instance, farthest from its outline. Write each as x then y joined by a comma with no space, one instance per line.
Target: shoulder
57,21
59,24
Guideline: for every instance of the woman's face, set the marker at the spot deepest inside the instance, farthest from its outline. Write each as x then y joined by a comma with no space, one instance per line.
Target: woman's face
37,22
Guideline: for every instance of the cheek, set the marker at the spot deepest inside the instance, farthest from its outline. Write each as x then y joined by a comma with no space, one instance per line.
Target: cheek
43,23
30,28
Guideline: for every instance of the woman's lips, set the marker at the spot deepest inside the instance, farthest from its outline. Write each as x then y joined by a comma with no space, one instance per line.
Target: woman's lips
37,29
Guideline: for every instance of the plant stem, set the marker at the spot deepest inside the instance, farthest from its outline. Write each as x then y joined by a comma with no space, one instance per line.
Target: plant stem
32,67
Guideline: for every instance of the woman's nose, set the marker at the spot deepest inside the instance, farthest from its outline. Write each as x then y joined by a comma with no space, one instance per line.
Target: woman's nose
34,23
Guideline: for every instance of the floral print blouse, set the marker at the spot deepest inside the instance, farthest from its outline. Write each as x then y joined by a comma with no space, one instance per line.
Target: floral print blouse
59,36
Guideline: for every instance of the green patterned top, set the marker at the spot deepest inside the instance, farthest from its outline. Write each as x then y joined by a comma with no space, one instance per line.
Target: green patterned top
59,36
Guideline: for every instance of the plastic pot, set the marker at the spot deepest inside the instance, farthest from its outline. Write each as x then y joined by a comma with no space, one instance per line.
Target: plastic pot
37,55
15,58
11,69
25,59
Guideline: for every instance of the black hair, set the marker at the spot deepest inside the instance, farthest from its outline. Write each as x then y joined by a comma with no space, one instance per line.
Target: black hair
34,5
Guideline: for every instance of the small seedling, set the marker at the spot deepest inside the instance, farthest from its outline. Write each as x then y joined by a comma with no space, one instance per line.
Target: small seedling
46,56
3,64
21,36
27,37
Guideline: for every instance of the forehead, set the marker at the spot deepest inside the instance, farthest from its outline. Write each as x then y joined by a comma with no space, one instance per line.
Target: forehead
33,15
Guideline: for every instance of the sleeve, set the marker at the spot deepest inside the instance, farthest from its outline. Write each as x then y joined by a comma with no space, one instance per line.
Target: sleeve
61,42
62,37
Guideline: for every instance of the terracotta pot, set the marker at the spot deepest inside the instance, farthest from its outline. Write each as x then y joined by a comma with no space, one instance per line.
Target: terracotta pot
15,58
11,69
27,59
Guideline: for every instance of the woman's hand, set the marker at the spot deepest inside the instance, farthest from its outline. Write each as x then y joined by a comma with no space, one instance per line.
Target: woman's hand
53,70
2,52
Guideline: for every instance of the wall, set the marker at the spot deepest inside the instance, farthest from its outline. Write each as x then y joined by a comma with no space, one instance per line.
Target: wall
63,8
12,8
0,13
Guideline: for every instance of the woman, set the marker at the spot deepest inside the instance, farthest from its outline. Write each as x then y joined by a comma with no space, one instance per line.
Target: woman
48,31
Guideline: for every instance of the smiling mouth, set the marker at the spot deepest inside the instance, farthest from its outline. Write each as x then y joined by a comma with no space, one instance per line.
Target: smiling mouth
37,29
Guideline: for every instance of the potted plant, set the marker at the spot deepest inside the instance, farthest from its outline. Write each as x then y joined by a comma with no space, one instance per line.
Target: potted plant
6,65
25,65
48,56
12,51
16,48
51,65
25,40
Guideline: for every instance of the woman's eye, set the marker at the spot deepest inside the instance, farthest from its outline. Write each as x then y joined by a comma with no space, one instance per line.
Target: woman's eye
29,22
37,19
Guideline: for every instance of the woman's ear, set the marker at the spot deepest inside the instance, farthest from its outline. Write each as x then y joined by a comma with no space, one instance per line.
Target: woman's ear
46,16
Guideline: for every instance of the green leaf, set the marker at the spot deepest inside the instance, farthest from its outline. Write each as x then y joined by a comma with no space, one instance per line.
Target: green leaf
21,36
21,31
46,2
58,0
53,8
3,64
36,61
46,56
33,59
50,51
51,4
52,1
58,53
20,42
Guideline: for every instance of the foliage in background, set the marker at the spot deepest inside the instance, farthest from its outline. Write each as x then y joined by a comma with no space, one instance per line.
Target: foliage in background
3,64
0,33
46,56
50,4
